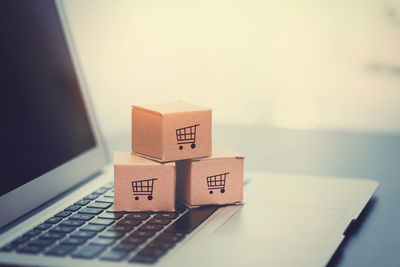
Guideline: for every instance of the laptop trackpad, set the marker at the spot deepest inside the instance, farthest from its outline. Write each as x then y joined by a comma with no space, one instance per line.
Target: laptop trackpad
282,223
262,234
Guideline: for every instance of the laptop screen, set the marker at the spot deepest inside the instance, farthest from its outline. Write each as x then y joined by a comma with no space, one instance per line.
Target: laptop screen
45,122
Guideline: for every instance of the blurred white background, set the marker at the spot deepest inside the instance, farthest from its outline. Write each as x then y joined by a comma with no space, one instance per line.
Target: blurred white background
291,64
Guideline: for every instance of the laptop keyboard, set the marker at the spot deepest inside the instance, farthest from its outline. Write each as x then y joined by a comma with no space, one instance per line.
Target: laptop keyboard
91,229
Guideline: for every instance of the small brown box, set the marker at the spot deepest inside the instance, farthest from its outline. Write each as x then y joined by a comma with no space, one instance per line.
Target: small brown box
214,180
171,131
143,185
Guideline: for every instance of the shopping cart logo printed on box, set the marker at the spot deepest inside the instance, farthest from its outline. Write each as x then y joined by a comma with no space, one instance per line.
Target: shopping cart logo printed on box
186,135
216,182
143,188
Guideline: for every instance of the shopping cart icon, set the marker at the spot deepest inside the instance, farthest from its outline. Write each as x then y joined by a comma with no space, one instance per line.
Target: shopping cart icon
186,135
217,182
143,188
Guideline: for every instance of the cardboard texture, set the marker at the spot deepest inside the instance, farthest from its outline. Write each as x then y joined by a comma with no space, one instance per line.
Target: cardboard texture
172,131
143,185
214,180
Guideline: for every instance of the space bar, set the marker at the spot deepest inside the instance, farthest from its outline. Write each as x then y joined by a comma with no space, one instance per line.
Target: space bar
191,219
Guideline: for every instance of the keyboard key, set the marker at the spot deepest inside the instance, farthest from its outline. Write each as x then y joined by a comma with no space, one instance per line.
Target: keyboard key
129,222
82,202
82,217
90,211
43,226
32,233
91,196
138,216
20,240
73,208
162,221
135,240
30,249
141,212
73,241
151,227
52,235
111,209
99,205
145,234
170,237
105,199
100,191
105,222
160,244
114,255
109,234
152,252
120,228
63,214
83,234
41,242
102,241
190,220
143,259
73,223
62,229
53,220
125,246
107,215
92,228
167,215
60,250
9,247
88,251
109,194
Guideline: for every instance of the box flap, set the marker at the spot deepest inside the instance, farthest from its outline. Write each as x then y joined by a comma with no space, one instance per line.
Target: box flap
170,108
128,158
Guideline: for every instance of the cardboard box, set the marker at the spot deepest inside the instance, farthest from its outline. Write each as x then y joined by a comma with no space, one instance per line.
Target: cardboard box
171,131
214,180
143,185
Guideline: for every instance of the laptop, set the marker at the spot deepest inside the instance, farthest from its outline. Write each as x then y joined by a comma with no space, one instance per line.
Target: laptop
56,194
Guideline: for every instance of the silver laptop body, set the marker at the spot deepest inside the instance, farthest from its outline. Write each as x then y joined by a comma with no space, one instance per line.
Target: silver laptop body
285,220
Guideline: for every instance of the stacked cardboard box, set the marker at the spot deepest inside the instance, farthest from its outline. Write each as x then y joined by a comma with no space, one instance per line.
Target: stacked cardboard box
172,159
